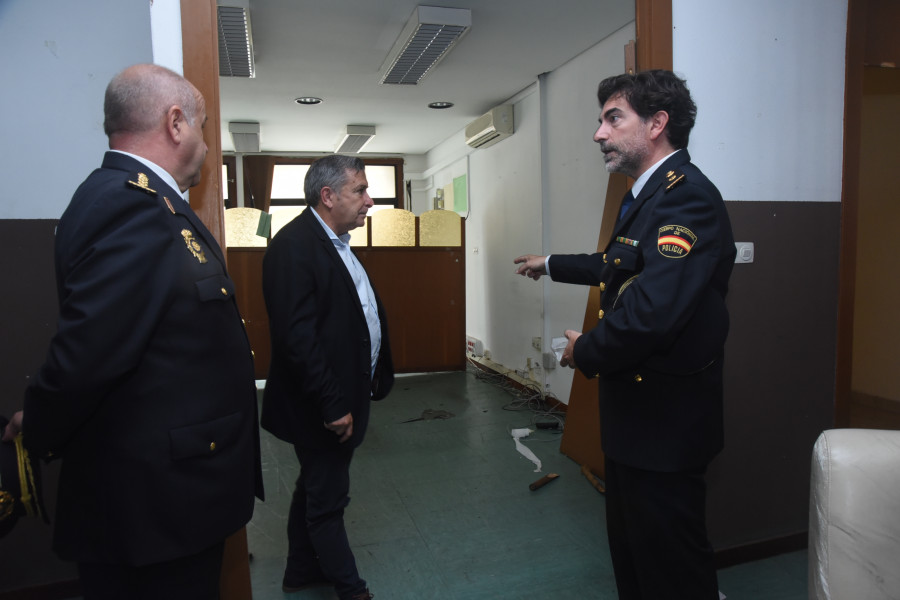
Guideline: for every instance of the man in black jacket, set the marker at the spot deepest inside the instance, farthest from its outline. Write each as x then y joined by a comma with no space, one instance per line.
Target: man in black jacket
330,358
658,347
147,393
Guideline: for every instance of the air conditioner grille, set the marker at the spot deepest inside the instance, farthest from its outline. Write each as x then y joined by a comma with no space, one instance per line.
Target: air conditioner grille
235,45
424,49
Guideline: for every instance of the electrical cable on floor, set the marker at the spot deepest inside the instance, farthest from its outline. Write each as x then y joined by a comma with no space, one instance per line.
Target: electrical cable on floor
529,397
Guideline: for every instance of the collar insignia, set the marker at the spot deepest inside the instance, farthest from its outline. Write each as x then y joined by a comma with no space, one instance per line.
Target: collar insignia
193,245
169,204
674,178
142,183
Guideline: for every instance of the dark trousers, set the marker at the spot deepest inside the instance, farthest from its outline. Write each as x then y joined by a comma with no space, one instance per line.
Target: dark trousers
657,534
317,540
194,577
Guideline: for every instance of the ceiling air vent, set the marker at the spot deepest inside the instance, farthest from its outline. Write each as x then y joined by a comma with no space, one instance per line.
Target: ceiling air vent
235,42
357,136
426,38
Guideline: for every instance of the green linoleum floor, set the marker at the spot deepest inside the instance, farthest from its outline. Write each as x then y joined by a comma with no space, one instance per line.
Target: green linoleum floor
441,510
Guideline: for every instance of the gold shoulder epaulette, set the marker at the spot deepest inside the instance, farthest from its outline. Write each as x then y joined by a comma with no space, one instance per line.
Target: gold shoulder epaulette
674,178
142,183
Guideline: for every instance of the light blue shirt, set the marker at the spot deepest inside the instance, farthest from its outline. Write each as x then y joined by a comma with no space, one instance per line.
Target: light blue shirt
363,286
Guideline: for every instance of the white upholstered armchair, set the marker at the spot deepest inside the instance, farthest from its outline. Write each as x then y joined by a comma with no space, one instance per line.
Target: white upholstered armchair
854,516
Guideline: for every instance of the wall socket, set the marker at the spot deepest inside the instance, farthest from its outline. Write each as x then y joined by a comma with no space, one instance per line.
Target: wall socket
536,343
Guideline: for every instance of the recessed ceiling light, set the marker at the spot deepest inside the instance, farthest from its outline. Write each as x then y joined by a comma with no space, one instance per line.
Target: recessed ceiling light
440,105
308,100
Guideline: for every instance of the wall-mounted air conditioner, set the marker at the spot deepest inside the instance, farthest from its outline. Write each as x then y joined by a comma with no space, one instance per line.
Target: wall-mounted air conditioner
491,127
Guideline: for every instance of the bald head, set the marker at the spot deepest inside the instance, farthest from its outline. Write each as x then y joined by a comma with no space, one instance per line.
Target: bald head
157,114
138,98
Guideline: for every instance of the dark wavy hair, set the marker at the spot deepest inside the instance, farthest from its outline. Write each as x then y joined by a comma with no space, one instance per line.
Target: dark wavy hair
649,92
329,171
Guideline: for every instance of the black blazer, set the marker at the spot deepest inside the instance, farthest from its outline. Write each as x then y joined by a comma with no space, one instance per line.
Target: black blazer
147,393
658,347
321,358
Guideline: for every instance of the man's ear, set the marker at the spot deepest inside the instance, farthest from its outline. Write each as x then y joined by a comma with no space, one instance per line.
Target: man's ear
326,196
175,123
658,124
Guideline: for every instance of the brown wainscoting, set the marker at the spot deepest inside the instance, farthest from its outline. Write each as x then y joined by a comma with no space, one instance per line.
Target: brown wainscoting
779,370
423,292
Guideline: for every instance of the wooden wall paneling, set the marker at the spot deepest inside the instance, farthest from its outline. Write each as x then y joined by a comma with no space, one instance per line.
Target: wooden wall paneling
200,48
423,292
245,267
853,96
201,67
258,181
581,436
882,44
653,25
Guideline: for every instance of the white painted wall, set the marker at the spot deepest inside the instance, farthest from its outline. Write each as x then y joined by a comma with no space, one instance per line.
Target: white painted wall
523,199
576,182
165,32
504,213
768,80
59,56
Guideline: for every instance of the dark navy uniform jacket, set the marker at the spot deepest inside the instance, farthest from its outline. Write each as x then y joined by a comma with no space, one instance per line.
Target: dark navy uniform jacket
147,393
658,347
321,365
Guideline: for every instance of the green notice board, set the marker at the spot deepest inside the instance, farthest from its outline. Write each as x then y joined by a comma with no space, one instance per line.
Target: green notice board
460,194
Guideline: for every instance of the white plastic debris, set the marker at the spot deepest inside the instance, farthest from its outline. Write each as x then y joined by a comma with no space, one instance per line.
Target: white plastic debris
524,450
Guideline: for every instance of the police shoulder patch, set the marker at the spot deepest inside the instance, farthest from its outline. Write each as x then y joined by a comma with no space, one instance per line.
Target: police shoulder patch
674,179
675,241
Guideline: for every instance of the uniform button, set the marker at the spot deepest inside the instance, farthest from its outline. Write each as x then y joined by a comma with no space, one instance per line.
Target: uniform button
617,262
252,354
224,292
243,322
638,379
602,286
212,446
604,258
601,313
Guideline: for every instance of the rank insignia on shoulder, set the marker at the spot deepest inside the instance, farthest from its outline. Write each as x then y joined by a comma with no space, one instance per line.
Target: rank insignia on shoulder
142,183
675,241
193,245
673,178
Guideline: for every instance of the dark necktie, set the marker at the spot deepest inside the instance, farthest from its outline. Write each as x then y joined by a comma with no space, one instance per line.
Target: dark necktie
626,204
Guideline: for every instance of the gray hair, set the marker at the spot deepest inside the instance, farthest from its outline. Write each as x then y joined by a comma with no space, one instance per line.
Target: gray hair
138,97
329,171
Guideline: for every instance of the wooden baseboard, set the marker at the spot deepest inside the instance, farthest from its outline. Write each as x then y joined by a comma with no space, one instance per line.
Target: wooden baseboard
729,557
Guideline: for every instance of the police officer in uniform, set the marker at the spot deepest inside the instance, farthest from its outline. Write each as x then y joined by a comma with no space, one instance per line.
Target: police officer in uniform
147,393
659,344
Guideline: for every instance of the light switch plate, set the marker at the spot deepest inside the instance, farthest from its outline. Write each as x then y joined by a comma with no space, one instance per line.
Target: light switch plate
744,252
